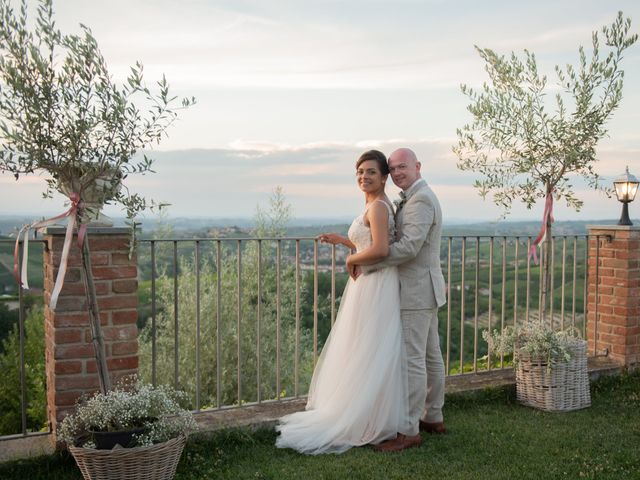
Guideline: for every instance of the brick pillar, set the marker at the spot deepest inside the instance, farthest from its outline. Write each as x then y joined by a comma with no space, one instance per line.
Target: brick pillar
70,361
613,318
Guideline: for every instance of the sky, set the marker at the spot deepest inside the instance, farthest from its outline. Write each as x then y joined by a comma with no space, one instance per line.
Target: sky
290,93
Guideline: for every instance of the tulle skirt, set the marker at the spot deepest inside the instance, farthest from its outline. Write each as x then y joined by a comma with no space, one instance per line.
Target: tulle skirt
357,393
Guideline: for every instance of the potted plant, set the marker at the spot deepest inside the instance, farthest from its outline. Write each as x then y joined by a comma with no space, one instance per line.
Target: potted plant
530,140
63,116
133,431
551,366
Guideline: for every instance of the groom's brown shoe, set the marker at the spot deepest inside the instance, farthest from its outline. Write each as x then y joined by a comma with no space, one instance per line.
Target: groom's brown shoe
401,442
434,427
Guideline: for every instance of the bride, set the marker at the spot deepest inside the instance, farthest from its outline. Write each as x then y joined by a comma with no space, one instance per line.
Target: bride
357,393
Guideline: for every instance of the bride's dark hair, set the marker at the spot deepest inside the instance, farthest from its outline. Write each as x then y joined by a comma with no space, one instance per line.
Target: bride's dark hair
377,157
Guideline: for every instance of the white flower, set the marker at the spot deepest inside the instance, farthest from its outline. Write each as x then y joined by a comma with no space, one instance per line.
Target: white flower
137,405
536,339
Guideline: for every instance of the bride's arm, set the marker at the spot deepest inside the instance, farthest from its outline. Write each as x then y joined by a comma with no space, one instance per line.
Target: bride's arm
335,239
378,217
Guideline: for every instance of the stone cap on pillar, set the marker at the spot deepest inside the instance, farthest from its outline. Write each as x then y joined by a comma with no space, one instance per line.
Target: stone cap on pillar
60,230
626,228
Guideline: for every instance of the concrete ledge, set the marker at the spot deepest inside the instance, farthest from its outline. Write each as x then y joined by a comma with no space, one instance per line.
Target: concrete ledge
20,446
267,413
632,228
55,230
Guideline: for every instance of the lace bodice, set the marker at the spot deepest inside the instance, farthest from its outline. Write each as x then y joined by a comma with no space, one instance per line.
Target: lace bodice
360,234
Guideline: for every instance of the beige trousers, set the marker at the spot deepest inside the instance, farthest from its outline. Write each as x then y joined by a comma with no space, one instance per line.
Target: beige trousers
425,368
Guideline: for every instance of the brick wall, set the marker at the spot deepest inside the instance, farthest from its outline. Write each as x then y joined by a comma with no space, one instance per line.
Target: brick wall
613,319
71,365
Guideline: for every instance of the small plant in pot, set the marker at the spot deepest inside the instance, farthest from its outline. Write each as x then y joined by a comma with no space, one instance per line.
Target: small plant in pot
130,415
551,366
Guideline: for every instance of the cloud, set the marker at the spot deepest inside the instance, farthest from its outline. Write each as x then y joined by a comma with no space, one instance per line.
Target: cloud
317,179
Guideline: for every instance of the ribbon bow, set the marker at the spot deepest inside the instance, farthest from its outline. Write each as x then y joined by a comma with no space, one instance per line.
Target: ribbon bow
547,215
20,274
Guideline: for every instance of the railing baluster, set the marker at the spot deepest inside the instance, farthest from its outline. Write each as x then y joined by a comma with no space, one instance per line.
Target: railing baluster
176,351
218,325
23,374
552,282
574,282
462,298
296,360
475,312
515,283
503,307
448,348
597,299
490,298
278,313
197,260
239,320
315,302
528,300
585,286
154,346
259,326
564,260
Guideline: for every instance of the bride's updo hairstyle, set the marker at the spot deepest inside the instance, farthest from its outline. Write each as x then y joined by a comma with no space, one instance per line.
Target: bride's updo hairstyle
377,157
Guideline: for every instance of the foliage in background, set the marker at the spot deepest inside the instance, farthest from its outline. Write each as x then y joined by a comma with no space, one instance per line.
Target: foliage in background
10,392
269,223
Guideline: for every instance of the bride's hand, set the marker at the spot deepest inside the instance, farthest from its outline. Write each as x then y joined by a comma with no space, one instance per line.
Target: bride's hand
332,238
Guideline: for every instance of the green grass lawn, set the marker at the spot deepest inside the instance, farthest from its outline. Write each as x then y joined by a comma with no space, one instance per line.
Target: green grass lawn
491,437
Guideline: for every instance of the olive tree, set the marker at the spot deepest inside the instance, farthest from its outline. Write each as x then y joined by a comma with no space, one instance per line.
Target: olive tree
64,116
529,140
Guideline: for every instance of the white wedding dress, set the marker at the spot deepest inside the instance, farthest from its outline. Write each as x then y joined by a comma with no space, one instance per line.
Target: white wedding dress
357,393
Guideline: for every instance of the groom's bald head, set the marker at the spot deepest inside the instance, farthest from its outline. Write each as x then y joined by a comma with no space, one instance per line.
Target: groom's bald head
404,167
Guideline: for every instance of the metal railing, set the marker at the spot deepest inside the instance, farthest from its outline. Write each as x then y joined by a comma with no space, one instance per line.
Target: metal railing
491,284
21,391
238,321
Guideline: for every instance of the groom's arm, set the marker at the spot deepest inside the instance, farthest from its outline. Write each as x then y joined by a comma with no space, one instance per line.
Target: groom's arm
416,222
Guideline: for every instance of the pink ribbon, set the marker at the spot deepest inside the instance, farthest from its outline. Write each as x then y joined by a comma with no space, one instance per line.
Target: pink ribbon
21,274
547,217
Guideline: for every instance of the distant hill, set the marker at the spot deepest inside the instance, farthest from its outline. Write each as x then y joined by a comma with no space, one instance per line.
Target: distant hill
188,227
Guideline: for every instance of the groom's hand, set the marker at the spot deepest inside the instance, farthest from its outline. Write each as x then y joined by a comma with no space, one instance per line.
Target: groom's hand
354,270
357,271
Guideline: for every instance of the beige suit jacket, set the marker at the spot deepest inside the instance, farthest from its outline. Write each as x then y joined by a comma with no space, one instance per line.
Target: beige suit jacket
416,251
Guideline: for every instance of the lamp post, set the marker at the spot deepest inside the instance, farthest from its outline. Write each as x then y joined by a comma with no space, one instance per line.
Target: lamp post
626,188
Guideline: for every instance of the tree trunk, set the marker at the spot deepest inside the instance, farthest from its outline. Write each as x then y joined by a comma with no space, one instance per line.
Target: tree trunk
94,319
545,280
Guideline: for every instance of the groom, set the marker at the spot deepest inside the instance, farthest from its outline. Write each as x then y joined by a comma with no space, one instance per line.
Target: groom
422,290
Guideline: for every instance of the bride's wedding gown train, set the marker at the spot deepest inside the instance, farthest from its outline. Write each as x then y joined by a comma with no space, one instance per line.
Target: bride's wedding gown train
357,394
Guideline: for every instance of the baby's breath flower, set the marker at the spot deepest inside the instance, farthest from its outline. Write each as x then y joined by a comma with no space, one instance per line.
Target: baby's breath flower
135,405
535,339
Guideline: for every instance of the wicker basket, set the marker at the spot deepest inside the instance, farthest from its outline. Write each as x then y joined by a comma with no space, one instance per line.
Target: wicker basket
156,462
561,387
